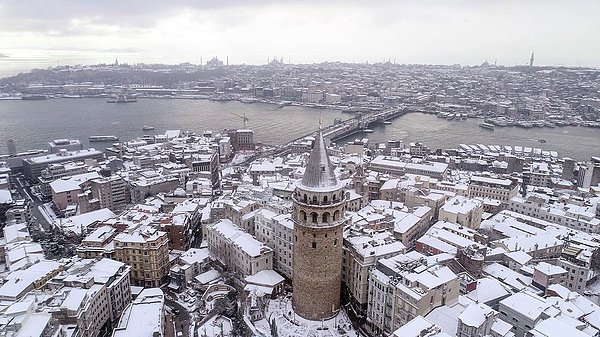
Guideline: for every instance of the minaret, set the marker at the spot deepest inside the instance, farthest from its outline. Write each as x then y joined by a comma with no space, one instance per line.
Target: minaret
318,216
531,60
359,177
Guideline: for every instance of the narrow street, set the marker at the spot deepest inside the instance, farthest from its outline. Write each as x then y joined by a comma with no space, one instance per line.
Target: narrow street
24,191
180,322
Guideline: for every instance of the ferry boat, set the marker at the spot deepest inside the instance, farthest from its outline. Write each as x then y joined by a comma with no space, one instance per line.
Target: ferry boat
249,100
9,97
103,138
122,98
487,126
147,128
34,97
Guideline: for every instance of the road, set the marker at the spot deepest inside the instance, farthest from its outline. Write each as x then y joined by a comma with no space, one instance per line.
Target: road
182,321
23,189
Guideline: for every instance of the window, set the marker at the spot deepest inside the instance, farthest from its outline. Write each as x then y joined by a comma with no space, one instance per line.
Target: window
326,217
314,245
314,217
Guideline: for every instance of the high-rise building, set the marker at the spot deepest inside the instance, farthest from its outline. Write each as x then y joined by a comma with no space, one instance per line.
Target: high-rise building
111,192
568,169
319,219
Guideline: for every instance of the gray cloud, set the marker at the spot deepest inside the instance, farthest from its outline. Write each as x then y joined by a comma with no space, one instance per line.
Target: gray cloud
57,16
4,56
127,50
432,31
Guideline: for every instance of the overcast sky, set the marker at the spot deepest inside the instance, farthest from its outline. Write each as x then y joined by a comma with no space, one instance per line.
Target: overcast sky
44,33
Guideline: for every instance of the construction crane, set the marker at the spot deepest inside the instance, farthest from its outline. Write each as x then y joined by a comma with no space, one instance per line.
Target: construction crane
243,117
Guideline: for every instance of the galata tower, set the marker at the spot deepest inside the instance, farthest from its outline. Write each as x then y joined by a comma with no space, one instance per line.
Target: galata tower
319,219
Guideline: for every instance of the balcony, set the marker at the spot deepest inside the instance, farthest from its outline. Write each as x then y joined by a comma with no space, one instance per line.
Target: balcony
318,203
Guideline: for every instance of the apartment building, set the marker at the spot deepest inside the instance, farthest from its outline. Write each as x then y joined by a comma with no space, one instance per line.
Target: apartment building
146,250
409,228
566,212
144,316
477,319
546,274
65,190
110,192
95,292
361,251
576,259
447,237
523,311
276,231
406,286
96,244
492,188
463,211
237,250
58,171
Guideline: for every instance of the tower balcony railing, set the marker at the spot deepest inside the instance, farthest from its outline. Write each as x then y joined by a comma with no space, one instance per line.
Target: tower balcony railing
319,203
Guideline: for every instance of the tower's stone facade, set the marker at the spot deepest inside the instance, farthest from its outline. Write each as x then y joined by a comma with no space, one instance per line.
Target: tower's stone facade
318,216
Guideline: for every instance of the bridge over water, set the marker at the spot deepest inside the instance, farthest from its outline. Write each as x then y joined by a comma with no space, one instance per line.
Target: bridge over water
338,130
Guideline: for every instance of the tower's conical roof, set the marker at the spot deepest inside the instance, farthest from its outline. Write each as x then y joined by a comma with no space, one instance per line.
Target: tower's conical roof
319,172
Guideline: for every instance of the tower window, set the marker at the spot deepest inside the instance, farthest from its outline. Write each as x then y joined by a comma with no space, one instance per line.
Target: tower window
325,199
335,242
325,217
314,217
314,245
